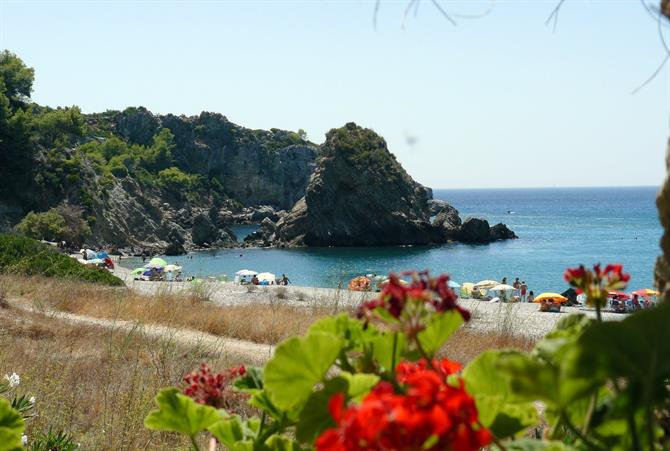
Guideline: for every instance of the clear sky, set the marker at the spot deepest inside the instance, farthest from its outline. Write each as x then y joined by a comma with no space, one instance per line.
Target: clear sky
501,101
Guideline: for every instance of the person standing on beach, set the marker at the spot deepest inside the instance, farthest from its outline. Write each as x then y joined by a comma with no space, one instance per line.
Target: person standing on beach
517,285
284,280
504,280
524,288
531,296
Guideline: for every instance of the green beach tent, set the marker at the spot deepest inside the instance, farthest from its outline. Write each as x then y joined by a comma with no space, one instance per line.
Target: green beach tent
137,271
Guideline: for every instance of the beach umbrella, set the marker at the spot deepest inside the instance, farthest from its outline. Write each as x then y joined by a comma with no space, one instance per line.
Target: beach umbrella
266,277
555,297
360,283
502,287
645,292
385,282
245,272
137,271
466,288
171,268
453,284
156,263
486,284
619,294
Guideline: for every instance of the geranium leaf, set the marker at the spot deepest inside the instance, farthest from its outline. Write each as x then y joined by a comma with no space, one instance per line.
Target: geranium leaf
179,413
490,388
11,427
298,364
315,417
438,331
382,349
359,384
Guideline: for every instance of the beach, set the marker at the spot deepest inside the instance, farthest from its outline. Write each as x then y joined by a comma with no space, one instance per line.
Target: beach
523,319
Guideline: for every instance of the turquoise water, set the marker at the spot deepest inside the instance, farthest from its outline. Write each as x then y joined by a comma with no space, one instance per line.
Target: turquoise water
557,228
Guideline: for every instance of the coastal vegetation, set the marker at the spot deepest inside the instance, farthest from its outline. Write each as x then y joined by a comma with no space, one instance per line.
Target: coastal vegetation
25,256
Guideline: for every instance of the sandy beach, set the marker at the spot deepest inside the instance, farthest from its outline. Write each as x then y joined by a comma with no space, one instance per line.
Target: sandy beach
514,318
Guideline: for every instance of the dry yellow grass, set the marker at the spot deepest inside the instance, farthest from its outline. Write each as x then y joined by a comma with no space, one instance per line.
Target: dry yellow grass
258,323
95,383
99,383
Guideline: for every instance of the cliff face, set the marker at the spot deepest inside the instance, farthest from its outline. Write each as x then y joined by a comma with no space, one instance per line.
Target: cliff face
254,167
359,195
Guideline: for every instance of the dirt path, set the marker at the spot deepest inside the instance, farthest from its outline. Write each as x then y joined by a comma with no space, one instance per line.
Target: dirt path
247,352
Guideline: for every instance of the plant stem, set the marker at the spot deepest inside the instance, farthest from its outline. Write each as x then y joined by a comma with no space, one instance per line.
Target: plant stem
630,419
194,443
260,428
589,413
429,360
598,315
395,347
579,434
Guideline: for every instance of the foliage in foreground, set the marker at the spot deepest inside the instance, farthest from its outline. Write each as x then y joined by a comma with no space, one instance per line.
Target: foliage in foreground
375,383
22,255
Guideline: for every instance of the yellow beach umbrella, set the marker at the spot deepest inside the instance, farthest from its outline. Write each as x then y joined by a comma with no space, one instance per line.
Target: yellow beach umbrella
555,297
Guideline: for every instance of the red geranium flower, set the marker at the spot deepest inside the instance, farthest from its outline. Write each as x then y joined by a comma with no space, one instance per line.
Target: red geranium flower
431,414
597,283
396,294
212,389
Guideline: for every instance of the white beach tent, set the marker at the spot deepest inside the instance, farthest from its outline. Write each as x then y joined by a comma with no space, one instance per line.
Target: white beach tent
244,276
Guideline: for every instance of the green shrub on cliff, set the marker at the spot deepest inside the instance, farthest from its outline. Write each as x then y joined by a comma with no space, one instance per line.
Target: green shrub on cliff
25,256
63,223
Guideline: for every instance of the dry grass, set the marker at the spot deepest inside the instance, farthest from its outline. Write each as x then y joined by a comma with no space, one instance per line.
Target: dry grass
269,323
260,323
98,384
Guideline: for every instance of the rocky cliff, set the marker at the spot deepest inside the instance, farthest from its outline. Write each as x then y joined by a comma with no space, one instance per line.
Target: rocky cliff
253,167
359,195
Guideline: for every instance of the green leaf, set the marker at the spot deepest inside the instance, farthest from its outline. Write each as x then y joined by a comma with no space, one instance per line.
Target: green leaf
490,388
438,331
278,442
382,350
228,431
359,384
261,400
252,379
315,417
179,413
536,445
298,364
11,427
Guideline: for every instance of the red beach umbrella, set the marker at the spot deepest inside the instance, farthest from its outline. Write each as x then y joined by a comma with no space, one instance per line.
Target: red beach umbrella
619,294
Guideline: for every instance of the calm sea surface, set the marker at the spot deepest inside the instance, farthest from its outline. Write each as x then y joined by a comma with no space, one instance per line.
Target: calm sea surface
557,228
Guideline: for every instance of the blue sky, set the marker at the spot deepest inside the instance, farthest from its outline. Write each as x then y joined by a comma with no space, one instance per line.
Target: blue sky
501,101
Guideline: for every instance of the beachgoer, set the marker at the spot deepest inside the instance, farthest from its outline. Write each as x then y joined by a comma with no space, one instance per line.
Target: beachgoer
516,283
144,257
524,288
284,280
254,280
504,280
636,302
531,296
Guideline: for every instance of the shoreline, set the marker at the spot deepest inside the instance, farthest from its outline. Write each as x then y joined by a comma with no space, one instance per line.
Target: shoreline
522,319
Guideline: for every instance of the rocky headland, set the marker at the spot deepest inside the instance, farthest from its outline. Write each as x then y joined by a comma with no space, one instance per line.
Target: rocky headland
137,182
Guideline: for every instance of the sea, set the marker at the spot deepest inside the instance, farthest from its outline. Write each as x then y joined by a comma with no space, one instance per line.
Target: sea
557,228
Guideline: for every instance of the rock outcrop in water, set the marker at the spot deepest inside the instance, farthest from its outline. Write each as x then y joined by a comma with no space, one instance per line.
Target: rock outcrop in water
359,195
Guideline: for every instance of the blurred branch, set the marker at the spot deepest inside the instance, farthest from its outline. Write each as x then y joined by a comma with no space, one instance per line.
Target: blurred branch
659,15
554,14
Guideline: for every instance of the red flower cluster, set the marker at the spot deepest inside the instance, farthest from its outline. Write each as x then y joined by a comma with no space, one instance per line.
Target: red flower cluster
212,389
396,294
431,415
597,283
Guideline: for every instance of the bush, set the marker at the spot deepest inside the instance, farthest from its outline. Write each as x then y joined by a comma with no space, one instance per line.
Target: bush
48,225
22,255
63,223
